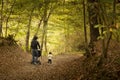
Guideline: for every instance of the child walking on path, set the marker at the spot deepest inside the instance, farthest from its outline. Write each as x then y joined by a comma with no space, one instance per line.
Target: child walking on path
50,58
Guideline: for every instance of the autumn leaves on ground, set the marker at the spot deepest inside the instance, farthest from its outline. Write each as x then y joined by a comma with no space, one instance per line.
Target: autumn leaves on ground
15,65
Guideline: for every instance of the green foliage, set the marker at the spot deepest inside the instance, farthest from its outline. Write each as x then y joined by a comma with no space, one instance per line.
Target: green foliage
107,1
65,26
62,26
101,32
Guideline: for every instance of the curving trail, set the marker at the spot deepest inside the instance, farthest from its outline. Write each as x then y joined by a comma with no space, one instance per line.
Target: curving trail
64,67
18,67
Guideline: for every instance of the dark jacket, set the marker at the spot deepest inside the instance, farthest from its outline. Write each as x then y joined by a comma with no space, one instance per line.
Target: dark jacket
35,44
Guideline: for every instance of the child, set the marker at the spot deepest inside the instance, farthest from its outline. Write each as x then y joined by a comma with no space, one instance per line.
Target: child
50,58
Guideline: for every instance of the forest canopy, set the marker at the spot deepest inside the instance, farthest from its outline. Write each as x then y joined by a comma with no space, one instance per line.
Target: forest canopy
61,25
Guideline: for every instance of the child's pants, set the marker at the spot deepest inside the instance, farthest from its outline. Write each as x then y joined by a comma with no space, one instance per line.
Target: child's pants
50,61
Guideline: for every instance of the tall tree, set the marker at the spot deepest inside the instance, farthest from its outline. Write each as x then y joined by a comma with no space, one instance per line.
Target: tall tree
8,17
45,21
28,31
1,21
109,24
85,29
93,14
49,7
93,11
112,25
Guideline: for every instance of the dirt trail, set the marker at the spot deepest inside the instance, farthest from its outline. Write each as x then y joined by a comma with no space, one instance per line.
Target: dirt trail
64,67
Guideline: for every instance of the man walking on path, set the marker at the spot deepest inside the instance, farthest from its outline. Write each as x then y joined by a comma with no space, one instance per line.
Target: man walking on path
34,47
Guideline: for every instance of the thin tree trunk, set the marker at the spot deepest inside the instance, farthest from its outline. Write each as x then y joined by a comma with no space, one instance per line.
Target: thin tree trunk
110,33
7,20
105,45
44,24
65,39
46,50
17,28
43,35
85,31
1,22
28,31
39,24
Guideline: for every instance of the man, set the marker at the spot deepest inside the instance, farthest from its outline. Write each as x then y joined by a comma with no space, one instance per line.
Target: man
34,47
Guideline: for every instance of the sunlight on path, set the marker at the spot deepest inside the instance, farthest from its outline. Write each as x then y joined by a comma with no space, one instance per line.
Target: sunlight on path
62,68
45,71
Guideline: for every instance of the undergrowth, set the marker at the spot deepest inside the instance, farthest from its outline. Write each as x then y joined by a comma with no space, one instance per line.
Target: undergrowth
110,68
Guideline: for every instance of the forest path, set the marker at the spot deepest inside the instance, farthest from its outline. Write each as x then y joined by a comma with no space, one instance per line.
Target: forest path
15,65
64,67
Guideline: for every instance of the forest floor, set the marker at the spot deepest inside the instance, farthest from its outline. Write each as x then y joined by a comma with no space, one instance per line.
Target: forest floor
15,65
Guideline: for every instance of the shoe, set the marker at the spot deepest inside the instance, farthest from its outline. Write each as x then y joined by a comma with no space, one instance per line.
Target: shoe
34,63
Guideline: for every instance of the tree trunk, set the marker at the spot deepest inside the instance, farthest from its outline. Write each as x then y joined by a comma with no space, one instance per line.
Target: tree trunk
45,21
39,24
44,34
7,20
46,50
105,45
17,28
110,33
85,31
93,19
28,31
1,21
